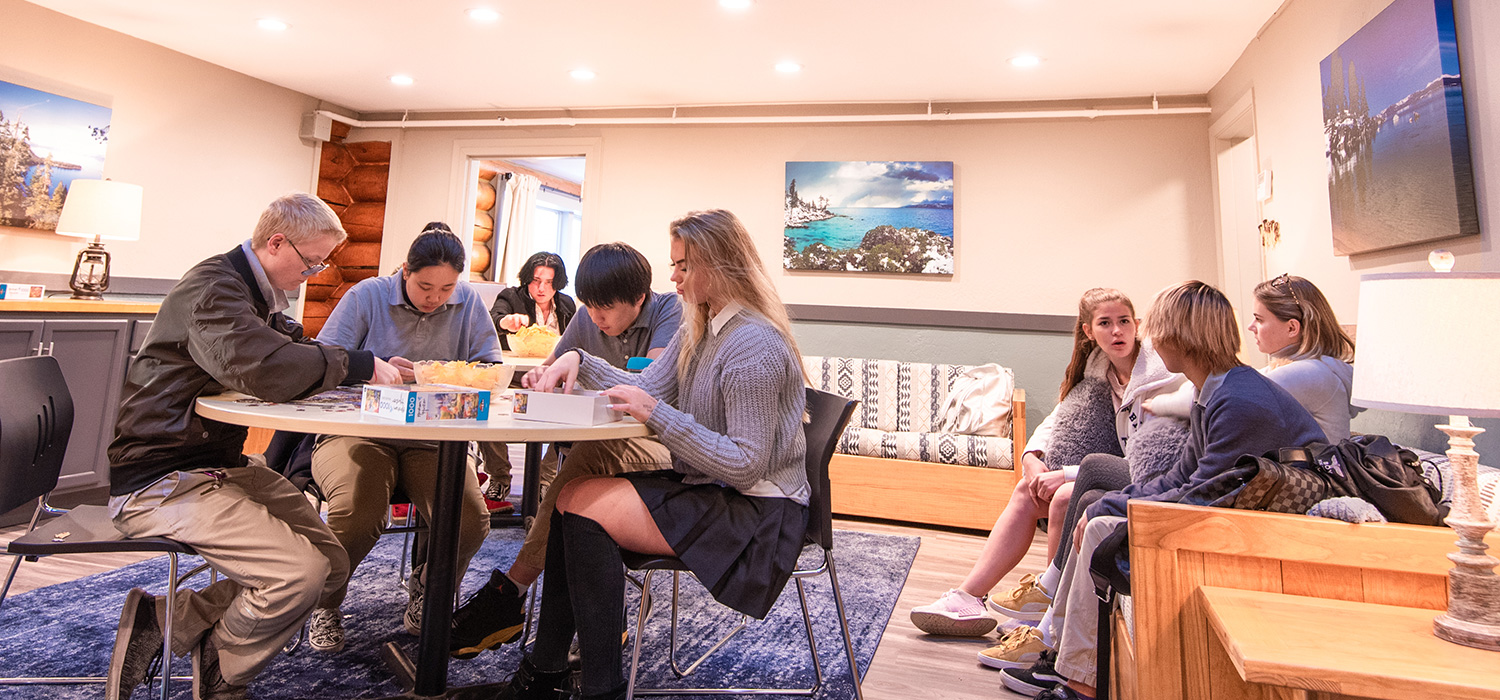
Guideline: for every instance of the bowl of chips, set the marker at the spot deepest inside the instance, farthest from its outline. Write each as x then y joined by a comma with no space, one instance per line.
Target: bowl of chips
477,375
533,341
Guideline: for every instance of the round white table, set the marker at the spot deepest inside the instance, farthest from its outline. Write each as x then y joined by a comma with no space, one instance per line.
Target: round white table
429,676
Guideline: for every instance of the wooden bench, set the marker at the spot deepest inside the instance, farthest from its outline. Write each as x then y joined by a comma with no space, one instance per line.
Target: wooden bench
1175,549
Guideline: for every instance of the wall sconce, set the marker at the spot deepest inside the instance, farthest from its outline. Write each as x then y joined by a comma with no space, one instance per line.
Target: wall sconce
1270,233
98,209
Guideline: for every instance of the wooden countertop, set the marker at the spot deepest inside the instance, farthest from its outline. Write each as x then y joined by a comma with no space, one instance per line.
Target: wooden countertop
1359,649
65,305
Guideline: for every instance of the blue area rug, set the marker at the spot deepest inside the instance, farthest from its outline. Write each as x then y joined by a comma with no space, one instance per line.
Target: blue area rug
67,629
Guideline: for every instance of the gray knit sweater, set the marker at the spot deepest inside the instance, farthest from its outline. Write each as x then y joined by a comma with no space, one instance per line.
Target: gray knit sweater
738,418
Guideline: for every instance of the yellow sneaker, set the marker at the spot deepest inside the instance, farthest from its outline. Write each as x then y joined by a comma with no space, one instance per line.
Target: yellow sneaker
1027,602
1019,648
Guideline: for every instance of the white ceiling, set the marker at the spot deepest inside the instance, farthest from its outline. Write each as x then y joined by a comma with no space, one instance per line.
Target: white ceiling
693,52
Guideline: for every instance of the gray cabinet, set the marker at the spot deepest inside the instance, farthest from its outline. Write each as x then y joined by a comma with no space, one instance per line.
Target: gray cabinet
92,353
19,338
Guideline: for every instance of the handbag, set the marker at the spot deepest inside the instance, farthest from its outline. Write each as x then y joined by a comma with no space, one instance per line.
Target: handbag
1279,482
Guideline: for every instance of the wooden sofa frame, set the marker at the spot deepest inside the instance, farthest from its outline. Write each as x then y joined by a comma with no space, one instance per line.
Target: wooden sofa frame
1174,549
951,495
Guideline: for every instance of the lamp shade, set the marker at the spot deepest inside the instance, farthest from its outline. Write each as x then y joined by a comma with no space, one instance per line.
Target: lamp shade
102,208
1428,343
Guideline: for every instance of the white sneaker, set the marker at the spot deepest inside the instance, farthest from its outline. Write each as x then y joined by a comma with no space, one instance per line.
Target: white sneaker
416,591
326,630
955,613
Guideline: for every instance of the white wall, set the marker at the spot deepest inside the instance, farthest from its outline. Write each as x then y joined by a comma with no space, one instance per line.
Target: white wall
1044,209
1281,67
210,146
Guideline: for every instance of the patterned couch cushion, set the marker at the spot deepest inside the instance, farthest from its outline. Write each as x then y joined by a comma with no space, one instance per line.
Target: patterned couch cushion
893,396
942,448
900,409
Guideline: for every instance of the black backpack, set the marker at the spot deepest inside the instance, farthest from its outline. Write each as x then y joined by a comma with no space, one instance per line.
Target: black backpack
1389,477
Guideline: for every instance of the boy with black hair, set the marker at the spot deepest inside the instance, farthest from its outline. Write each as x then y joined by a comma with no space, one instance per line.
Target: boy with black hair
624,319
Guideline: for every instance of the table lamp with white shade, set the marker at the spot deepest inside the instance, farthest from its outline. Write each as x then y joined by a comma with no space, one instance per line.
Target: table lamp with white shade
1430,343
98,209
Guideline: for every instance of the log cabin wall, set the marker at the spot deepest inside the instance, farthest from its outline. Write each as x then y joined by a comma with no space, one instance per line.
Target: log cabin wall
352,179
486,252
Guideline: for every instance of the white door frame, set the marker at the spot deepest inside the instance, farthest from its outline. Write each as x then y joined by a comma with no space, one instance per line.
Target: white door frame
1237,214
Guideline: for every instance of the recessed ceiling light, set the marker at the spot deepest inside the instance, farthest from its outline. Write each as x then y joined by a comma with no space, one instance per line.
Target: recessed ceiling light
1026,60
271,24
736,5
483,14
582,74
789,67
400,79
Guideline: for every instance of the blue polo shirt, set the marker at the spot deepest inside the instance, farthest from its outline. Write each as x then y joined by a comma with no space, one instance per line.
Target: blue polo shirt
374,315
653,328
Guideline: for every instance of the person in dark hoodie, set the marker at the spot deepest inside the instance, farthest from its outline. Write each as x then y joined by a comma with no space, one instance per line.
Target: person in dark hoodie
176,474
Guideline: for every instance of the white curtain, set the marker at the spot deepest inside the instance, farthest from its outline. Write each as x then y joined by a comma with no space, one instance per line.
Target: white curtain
513,228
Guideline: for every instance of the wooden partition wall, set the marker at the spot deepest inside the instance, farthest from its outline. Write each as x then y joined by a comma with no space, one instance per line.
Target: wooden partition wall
352,179
1175,549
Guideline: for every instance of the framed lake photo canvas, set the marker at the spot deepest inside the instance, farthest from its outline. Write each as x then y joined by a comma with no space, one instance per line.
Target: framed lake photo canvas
869,216
46,142
1399,170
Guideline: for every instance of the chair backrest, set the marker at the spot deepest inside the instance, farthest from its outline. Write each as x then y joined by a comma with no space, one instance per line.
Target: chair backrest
36,418
828,415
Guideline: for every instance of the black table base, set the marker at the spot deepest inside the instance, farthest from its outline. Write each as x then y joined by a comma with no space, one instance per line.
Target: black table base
428,677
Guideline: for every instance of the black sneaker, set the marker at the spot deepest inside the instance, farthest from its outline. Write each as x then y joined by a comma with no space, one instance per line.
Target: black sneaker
492,616
1062,692
208,681
1034,681
137,650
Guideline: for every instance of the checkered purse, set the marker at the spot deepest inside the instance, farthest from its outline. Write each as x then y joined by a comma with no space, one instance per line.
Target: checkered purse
1282,482
1281,487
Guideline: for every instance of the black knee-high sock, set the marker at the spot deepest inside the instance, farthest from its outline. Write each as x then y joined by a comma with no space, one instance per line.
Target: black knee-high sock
554,631
597,583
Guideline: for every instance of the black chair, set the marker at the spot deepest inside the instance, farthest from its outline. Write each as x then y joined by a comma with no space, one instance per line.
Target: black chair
828,413
36,418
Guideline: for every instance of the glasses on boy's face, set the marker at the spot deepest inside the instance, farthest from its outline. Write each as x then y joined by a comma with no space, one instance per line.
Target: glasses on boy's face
312,269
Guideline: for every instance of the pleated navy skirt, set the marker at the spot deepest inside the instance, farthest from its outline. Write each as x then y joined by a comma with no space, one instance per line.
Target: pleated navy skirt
741,548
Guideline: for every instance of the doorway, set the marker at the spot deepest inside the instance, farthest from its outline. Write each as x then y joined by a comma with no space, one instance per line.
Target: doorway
523,206
1242,260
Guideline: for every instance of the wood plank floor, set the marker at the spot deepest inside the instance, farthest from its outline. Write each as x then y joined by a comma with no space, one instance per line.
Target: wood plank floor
908,664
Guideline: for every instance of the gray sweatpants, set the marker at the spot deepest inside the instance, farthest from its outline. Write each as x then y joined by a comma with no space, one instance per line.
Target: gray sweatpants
263,536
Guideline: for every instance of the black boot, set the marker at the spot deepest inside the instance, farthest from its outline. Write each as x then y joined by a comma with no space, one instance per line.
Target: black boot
531,684
616,694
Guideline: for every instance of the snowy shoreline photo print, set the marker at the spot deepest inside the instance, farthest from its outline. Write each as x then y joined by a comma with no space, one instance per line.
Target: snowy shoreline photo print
1399,169
46,142
869,216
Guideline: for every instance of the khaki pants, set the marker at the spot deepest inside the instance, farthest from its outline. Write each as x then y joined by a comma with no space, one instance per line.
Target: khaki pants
586,460
1075,608
358,476
497,463
257,530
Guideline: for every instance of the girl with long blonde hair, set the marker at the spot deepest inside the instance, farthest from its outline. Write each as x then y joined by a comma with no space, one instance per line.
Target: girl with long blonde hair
726,398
